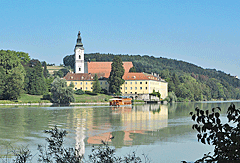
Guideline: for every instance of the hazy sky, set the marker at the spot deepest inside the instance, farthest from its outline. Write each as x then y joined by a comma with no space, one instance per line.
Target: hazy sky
203,32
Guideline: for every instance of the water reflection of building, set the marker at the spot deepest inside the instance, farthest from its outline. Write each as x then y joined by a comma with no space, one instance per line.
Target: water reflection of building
83,120
136,120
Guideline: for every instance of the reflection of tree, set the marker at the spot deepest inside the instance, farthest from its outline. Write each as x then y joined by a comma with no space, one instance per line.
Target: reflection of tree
182,109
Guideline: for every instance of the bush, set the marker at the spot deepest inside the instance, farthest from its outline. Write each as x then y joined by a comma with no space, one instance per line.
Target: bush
79,92
225,138
91,93
104,91
46,97
56,152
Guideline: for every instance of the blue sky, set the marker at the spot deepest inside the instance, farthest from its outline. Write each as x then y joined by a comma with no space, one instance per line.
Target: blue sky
204,32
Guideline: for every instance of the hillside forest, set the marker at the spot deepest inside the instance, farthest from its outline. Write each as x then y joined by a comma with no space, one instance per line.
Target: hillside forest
186,81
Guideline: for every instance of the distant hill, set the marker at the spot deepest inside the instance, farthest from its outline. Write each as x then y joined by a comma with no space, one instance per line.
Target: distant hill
188,81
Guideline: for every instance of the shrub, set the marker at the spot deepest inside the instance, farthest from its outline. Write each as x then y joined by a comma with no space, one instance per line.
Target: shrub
46,97
104,91
79,92
225,138
55,152
91,93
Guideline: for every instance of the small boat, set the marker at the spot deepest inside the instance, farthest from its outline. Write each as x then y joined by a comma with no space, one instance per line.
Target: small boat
120,100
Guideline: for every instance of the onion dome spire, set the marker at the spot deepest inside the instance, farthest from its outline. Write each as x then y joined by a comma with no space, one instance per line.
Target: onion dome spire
79,41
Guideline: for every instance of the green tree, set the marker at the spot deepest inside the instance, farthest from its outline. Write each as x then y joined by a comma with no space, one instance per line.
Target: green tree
96,85
24,57
154,93
45,70
61,93
224,137
34,80
69,60
49,81
115,79
132,69
12,75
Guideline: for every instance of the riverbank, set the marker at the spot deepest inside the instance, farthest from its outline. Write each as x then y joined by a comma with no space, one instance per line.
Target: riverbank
38,99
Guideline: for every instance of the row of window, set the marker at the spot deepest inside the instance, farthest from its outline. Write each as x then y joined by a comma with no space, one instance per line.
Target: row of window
131,93
81,88
91,83
136,82
135,88
87,88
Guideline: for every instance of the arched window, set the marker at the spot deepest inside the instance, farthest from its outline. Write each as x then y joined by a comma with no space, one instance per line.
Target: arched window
79,69
79,56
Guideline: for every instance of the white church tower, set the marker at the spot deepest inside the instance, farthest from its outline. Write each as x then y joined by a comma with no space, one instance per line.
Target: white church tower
79,55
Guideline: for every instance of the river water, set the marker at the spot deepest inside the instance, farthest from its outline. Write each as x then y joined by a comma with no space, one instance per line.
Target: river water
161,132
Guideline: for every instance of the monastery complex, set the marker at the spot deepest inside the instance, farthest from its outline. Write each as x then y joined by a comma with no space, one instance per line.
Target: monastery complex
136,83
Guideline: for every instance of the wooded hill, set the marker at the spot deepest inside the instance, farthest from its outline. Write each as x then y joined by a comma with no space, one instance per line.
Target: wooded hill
188,81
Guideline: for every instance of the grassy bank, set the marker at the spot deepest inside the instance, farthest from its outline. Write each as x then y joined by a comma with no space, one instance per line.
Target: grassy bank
26,98
85,98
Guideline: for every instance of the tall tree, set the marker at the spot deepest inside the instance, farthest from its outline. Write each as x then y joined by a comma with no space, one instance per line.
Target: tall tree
61,93
34,80
96,85
115,79
12,75
24,57
45,70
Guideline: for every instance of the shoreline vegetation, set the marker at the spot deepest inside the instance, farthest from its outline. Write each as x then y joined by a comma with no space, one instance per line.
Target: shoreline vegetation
85,99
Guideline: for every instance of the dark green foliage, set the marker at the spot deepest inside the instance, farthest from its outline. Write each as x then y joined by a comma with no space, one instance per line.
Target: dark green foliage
91,93
104,91
34,83
62,72
48,82
154,93
224,137
58,73
24,57
104,153
132,69
96,84
2,81
79,92
56,152
22,155
47,96
11,75
61,93
45,70
115,79
69,60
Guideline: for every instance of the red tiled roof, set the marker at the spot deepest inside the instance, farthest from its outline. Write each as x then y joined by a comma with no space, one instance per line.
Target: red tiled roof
82,76
138,76
105,67
78,76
